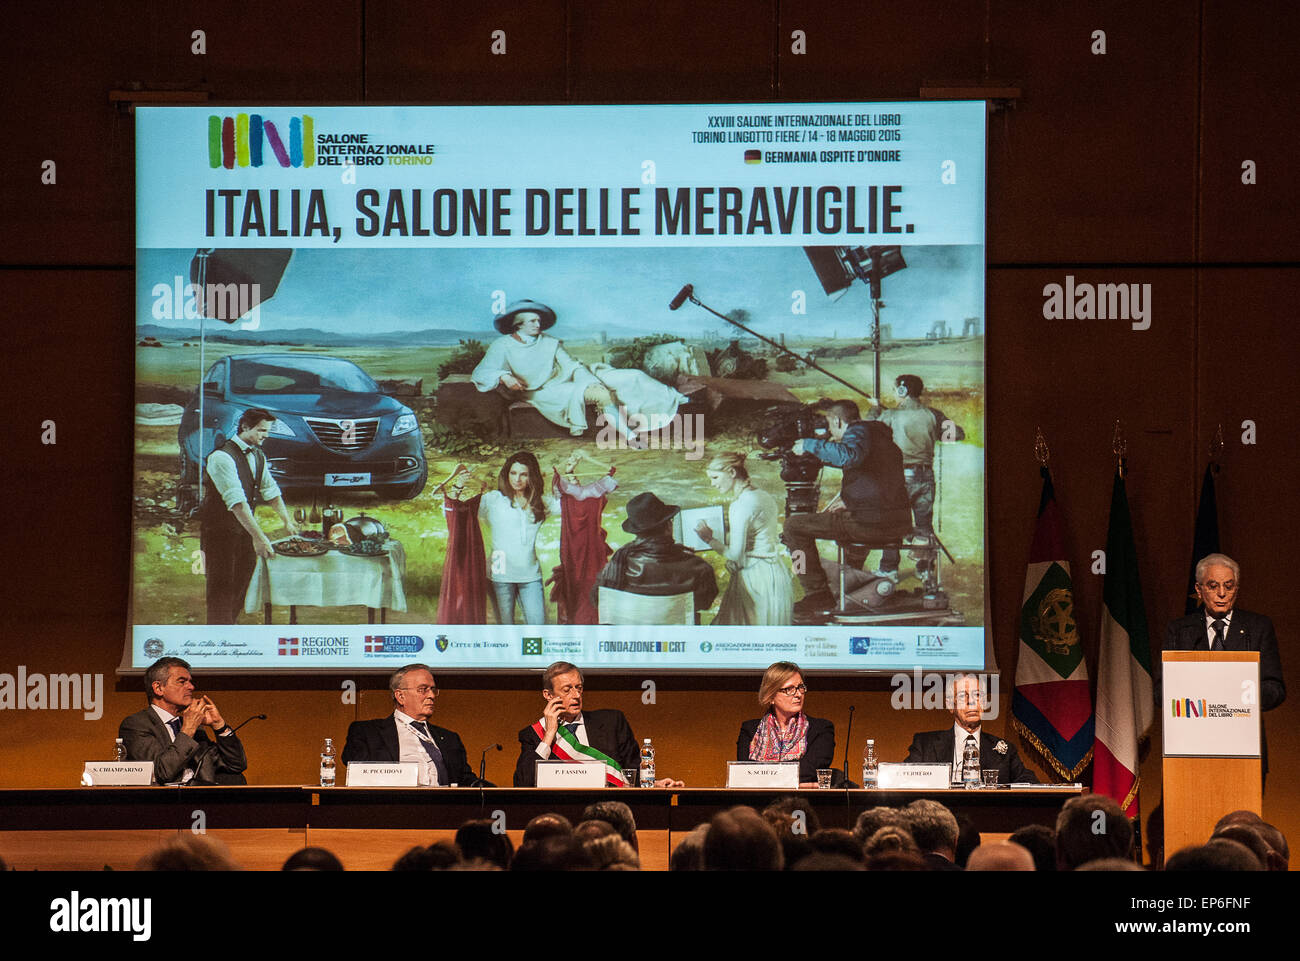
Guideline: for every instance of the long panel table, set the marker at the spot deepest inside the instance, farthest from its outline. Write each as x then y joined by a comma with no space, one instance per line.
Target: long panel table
369,828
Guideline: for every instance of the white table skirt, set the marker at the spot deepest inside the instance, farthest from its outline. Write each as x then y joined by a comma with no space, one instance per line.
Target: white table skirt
330,580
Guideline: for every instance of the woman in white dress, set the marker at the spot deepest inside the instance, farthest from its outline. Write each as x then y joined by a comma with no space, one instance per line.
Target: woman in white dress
514,513
536,367
761,590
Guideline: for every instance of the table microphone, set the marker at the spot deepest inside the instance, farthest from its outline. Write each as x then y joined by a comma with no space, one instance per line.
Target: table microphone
482,764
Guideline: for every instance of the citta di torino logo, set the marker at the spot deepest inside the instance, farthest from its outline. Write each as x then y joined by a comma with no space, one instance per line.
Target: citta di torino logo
75,915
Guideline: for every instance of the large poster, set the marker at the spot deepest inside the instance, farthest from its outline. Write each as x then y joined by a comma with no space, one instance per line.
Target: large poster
495,386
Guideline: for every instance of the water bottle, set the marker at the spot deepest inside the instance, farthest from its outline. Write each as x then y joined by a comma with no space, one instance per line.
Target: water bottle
647,776
970,765
119,751
870,765
327,764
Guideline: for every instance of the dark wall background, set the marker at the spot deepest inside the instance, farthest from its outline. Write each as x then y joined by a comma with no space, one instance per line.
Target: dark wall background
1117,168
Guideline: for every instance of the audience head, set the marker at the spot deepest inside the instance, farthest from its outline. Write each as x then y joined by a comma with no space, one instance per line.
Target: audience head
689,854
1237,817
1002,856
188,852
553,853
740,840
1220,854
1040,841
933,827
477,839
547,826
836,841
436,857
612,853
312,859
1111,864
589,830
890,839
1277,841
897,861
1250,836
873,819
617,815
829,861
1089,827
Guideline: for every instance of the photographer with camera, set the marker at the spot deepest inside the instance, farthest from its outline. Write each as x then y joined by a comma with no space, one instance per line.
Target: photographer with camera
876,508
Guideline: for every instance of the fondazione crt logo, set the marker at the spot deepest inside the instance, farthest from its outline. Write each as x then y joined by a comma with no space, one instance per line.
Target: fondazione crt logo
244,140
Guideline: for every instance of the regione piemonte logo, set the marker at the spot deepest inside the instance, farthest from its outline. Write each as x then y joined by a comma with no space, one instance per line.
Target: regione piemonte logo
241,141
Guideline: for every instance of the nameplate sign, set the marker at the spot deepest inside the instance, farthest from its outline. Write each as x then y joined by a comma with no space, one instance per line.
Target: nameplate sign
929,777
751,774
116,773
570,773
391,774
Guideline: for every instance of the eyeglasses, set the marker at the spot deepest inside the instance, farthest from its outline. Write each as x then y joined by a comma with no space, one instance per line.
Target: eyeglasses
1214,587
422,690
794,689
963,699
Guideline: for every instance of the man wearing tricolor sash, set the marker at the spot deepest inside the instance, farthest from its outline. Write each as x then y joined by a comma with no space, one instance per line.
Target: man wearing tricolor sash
566,733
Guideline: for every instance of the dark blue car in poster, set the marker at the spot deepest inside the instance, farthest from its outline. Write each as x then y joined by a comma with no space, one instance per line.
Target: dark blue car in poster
334,427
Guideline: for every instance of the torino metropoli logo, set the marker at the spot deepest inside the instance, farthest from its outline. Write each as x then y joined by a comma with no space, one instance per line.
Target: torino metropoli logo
243,141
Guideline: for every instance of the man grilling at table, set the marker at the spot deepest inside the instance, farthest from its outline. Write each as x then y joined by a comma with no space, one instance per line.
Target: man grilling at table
235,481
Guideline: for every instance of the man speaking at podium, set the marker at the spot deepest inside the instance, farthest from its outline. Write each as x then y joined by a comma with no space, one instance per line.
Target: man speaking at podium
1222,626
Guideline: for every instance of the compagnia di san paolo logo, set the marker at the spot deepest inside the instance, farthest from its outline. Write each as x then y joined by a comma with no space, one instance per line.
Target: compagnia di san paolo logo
242,141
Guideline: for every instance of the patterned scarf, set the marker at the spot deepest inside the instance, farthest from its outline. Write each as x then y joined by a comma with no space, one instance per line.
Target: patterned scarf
770,744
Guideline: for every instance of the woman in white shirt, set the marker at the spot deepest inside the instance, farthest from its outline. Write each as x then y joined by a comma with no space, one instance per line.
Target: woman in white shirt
761,590
536,367
514,513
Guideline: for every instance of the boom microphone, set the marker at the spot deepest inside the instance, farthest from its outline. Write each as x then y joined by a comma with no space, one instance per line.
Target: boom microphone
681,296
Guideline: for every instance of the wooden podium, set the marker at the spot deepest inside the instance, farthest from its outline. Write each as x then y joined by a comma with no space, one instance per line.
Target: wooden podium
1211,760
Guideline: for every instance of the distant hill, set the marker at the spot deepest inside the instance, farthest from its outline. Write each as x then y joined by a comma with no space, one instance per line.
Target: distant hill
220,333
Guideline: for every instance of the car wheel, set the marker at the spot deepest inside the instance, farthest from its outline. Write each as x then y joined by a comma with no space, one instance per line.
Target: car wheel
407,491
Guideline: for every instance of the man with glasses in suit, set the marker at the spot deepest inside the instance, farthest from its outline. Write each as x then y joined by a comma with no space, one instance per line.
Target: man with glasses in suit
962,696
406,735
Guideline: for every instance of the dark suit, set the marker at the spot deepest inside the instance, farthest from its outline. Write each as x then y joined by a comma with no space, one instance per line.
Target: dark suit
377,741
820,750
607,731
218,760
1247,631
936,747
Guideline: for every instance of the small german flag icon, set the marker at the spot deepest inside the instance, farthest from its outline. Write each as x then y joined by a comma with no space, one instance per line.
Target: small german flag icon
753,156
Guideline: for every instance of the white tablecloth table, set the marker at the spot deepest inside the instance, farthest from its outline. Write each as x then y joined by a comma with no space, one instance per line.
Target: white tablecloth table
333,579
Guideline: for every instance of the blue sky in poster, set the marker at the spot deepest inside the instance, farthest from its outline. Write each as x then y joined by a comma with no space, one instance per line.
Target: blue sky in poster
624,291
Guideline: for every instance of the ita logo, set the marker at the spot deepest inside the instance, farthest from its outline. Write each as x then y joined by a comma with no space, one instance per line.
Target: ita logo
532,645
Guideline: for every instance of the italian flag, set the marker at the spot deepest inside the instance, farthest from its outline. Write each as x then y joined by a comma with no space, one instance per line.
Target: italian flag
1124,704
568,748
1052,706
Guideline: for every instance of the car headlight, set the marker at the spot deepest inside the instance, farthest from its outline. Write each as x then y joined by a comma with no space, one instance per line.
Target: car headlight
280,429
405,423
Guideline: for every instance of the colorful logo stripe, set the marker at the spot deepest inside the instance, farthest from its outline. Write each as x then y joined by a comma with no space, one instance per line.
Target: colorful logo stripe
238,141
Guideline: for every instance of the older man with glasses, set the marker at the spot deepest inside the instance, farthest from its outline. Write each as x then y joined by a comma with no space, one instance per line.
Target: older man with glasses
962,696
1223,626
406,734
